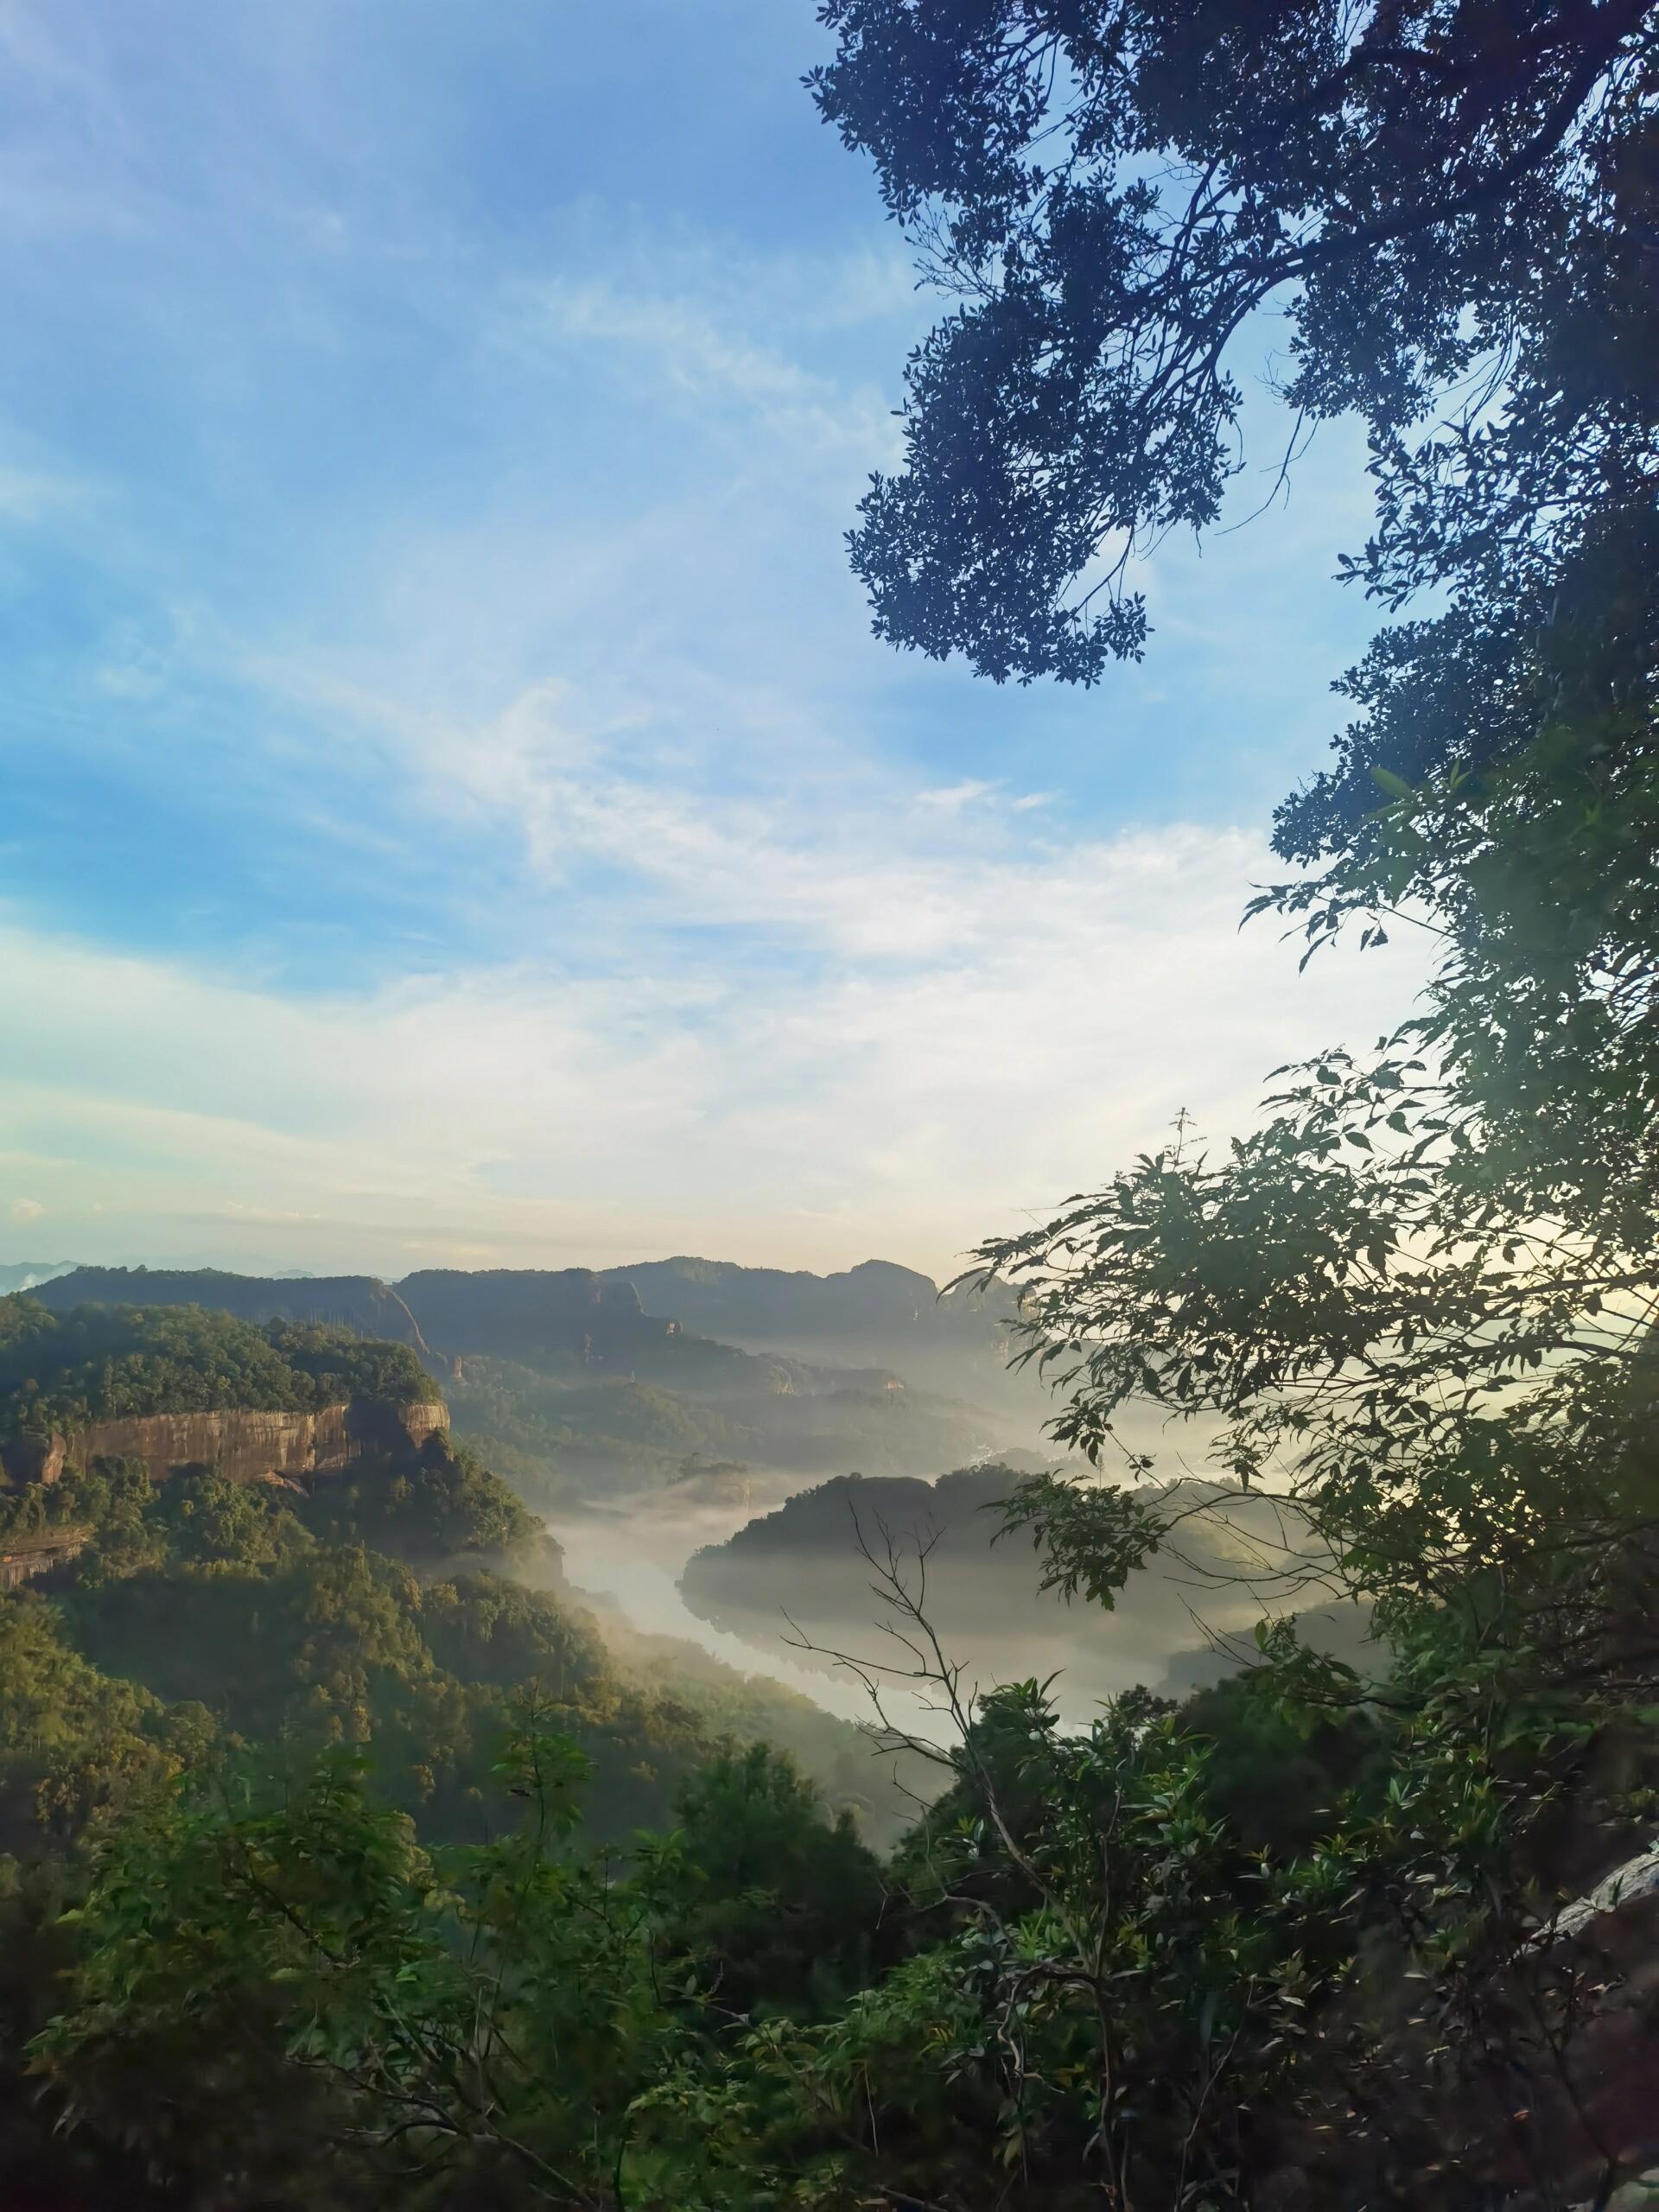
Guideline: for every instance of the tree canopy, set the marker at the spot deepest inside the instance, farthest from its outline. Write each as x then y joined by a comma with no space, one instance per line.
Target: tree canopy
111,1362
1453,210
1441,201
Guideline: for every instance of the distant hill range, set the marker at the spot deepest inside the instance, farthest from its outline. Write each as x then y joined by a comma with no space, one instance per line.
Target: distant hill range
25,1275
876,1316
359,1302
538,1315
597,1380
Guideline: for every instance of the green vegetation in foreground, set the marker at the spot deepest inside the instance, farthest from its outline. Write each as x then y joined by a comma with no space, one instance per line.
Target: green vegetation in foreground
113,1362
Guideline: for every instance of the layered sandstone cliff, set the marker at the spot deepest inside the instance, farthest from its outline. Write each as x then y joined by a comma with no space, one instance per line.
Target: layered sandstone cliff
22,1559
245,1446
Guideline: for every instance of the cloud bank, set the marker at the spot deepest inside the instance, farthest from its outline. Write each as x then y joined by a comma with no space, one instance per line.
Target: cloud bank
949,1037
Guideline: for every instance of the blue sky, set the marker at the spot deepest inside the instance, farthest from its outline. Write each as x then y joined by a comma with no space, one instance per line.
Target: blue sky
452,805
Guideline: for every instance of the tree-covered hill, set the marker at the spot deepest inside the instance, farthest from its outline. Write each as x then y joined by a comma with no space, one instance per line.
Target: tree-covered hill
684,1325
800,1579
217,1637
69,1368
564,1374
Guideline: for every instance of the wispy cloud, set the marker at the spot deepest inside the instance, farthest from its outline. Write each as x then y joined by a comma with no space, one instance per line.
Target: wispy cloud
456,801
921,1088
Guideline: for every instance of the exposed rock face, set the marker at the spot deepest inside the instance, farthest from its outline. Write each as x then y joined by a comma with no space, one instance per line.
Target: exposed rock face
246,1446
20,1562
25,1460
359,1302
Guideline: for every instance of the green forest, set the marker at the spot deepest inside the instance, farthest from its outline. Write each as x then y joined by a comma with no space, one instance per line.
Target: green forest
344,1869
223,1651
116,1362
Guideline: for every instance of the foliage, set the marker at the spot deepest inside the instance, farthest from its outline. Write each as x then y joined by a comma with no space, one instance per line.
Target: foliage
306,1962
1414,1308
76,1747
786,1908
341,1364
100,1364
474,2025
1452,207
445,1504
1442,201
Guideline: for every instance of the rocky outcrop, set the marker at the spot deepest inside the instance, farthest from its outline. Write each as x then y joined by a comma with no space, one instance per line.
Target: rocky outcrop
27,1459
21,1561
246,1446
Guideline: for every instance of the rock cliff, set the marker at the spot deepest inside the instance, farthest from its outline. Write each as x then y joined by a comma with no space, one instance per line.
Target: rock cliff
22,1559
246,1446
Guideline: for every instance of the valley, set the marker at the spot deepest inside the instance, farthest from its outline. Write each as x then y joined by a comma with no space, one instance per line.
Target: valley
702,1488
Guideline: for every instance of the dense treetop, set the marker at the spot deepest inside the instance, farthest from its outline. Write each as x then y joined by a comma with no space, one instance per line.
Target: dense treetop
102,1362
1428,194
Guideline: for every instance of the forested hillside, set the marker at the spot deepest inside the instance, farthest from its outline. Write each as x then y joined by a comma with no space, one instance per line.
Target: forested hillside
91,1363
221,1637
564,1376
360,1303
799,1579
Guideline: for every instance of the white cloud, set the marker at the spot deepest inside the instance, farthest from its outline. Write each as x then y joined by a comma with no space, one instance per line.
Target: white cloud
952,798
33,495
569,576
980,1043
27,1209
683,347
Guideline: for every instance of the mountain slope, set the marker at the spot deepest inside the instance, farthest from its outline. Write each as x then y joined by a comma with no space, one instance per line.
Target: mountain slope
875,1314
578,1389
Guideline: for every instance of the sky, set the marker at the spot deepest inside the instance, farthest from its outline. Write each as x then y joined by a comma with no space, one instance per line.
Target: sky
453,810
